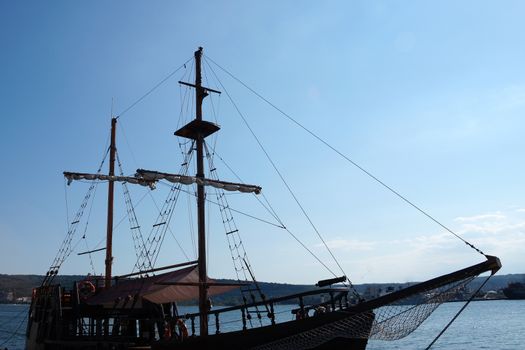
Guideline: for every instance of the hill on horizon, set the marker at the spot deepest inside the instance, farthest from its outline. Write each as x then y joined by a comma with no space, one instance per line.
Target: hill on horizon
22,285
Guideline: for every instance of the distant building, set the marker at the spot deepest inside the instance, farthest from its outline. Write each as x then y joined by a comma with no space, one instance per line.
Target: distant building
23,300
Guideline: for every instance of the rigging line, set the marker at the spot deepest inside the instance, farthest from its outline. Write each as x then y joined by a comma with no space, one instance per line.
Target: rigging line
92,198
130,209
228,222
90,207
188,96
281,176
90,257
67,204
158,236
189,205
270,209
369,174
153,89
19,334
121,129
122,219
190,224
15,332
311,252
8,320
136,205
234,210
214,112
99,243
188,93
211,98
183,95
458,313
207,223
169,228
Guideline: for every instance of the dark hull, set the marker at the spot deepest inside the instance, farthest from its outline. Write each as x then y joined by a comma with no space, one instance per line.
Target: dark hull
53,325
263,337
288,332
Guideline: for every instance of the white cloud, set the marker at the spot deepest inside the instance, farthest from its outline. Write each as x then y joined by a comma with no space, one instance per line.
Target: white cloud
482,217
499,233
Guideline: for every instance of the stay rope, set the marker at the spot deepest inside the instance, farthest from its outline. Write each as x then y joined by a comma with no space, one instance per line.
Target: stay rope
278,172
65,249
345,157
16,331
166,78
458,313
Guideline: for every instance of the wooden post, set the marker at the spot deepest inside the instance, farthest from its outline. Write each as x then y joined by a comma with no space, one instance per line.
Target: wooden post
111,184
203,288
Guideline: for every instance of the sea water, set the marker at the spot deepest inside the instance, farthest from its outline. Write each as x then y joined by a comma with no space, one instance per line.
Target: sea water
495,324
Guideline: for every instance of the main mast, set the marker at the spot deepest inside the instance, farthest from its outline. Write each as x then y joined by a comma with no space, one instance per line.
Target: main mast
203,288
198,130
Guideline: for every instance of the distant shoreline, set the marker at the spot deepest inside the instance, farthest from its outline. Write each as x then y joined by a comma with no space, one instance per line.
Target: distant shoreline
17,289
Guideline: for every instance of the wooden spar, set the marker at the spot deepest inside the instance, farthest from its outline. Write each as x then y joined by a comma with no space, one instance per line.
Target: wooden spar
492,264
111,185
203,289
158,269
92,251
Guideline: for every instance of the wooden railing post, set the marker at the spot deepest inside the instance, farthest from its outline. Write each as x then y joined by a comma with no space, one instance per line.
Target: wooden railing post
271,315
243,319
193,326
217,323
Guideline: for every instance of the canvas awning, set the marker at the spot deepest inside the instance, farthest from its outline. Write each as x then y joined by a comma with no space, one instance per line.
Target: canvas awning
168,287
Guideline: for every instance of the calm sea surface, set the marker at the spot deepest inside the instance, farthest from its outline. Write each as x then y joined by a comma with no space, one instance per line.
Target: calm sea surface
498,325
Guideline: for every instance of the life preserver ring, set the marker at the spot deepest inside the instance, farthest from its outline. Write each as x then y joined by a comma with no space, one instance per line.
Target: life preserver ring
86,289
183,330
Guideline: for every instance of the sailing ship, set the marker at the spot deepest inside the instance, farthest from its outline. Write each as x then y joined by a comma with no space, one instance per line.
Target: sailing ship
138,310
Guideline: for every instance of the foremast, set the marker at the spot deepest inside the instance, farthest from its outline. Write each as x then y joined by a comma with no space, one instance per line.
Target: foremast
111,191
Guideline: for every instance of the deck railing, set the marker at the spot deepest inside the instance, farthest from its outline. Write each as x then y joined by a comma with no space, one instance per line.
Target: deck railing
337,300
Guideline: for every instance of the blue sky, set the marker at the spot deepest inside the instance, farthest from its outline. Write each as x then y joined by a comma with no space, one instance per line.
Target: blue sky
428,96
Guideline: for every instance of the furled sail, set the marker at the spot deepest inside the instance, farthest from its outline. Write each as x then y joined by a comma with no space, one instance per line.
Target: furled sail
152,176
85,176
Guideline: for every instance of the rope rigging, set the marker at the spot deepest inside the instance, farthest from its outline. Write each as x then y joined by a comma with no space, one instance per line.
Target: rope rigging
266,206
143,260
65,249
159,228
345,157
238,253
283,180
17,329
232,209
166,78
458,313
